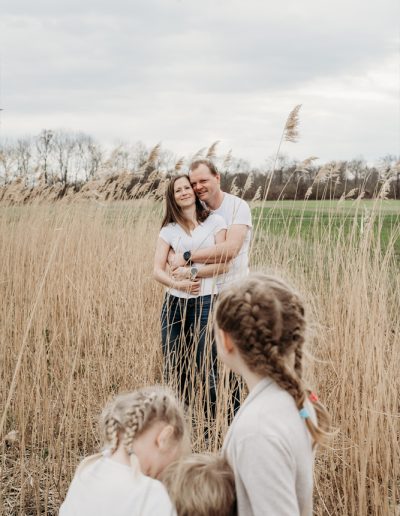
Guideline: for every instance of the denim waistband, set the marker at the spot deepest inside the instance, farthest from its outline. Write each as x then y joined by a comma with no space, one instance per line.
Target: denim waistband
191,300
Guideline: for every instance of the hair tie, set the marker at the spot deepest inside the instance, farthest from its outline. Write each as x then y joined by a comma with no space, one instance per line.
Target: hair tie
304,413
313,397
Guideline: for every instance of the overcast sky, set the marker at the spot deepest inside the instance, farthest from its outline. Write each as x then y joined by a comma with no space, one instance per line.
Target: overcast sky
189,72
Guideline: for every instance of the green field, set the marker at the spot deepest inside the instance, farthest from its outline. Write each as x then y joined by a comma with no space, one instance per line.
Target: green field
333,219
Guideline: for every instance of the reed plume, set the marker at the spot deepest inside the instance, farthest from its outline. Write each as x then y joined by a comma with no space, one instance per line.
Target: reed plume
292,123
212,150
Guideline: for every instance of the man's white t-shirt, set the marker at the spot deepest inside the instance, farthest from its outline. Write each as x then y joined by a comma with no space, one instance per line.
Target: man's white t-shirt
106,487
235,210
201,237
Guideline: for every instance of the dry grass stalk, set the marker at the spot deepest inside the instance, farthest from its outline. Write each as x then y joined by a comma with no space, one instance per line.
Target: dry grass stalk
257,195
227,160
234,189
304,165
179,164
199,154
154,154
385,189
308,192
249,183
351,193
212,150
291,131
95,331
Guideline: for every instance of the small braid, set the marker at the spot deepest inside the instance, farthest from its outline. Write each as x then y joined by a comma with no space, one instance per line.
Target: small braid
266,320
298,361
111,430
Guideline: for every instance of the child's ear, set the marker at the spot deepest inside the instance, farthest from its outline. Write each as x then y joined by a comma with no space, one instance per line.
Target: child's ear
226,341
164,437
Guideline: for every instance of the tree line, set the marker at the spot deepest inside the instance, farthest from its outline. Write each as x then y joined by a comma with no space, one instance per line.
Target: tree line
72,160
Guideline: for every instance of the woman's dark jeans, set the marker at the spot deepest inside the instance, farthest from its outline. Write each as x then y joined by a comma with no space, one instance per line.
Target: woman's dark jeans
189,349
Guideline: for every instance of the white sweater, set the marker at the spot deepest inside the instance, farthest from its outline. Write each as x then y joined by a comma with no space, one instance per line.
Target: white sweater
269,449
108,488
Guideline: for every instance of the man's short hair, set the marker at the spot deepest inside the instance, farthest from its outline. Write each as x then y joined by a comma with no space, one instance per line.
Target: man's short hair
207,162
201,485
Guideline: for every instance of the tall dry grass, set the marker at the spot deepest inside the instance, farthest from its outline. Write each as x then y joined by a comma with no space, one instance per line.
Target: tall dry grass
79,321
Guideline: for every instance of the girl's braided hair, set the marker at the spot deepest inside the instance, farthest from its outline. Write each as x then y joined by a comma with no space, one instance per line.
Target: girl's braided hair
265,318
130,414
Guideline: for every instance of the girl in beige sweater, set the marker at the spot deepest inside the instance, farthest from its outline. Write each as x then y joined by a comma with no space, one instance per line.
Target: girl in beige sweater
260,335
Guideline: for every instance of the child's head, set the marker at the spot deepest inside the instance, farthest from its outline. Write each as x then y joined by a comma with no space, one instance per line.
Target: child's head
148,424
201,485
263,320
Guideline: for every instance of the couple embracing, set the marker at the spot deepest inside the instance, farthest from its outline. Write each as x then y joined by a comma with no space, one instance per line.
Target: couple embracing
205,238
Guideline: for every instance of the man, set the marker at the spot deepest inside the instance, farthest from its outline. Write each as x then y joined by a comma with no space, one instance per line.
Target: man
206,183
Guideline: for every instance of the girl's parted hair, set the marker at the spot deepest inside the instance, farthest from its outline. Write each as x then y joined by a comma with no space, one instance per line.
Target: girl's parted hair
265,318
130,414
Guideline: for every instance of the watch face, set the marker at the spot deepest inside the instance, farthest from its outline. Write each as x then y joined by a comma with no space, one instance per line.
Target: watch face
193,272
187,255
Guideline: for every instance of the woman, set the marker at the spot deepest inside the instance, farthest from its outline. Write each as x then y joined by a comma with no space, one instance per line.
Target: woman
187,339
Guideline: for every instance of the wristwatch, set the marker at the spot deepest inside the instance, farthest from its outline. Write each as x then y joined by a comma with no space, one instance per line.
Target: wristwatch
187,255
193,272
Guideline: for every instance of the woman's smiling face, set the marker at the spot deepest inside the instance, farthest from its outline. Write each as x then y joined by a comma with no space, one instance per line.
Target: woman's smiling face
183,193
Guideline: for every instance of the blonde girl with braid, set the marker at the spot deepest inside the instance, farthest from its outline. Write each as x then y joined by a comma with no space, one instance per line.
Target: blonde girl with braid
143,432
260,330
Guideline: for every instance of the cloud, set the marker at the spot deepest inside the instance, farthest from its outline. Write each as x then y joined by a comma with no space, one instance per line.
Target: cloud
189,72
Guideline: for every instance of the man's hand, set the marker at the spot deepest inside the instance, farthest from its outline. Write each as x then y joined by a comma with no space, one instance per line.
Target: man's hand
181,273
191,287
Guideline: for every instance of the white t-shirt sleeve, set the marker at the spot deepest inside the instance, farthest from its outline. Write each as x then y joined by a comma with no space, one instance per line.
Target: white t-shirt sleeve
166,235
267,471
218,223
242,214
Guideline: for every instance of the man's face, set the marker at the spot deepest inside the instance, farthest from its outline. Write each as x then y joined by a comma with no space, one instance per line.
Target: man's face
204,183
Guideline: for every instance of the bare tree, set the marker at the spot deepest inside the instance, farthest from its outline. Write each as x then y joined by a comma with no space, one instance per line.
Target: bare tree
44,148
7,161
118,160
64,147
138,156
88,155
23,150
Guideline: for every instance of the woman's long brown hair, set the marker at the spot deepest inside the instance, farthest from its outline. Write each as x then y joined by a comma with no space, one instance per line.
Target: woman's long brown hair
173,212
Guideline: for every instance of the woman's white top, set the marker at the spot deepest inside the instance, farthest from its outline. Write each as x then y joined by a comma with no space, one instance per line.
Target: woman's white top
270,451
106,487
201,237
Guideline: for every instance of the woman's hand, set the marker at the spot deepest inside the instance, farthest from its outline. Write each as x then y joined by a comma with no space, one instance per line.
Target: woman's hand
189,286
181,273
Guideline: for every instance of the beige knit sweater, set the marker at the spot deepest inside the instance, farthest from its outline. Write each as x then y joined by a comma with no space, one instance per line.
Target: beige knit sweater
269,448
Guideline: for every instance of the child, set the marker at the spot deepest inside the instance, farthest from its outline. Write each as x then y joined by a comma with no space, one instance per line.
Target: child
201,485
143,432
260,335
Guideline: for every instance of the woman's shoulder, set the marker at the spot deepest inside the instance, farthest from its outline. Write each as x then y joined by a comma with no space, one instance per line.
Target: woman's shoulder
170,225
168,229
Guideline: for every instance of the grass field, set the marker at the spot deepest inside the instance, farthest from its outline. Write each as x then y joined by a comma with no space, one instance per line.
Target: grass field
312,219
79,321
